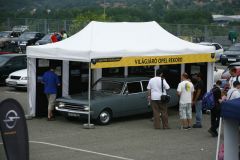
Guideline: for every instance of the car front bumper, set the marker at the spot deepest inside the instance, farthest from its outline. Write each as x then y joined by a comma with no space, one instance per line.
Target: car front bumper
16,83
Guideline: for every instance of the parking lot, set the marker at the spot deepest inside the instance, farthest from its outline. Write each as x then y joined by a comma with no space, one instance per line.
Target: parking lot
126,138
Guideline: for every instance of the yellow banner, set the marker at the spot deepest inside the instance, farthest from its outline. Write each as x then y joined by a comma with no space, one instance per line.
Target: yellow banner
151,60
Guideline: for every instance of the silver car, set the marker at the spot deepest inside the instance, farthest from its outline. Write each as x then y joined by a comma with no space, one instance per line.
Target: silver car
111,98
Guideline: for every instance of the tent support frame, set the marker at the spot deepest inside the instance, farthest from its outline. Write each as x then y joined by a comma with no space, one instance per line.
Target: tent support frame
89,125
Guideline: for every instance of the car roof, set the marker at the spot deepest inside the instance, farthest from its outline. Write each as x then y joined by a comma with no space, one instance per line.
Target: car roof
31,32
125,79
12,55
7,31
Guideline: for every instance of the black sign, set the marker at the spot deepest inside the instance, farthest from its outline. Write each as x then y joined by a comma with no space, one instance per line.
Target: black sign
14,130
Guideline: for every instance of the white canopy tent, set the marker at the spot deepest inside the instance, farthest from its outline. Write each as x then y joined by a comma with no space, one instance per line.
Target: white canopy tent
102,40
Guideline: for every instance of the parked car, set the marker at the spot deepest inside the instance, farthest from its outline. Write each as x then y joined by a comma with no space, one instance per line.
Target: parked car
5,38
10,63
226,74
111,98
18,79
26,39
231,55
218,47
46,39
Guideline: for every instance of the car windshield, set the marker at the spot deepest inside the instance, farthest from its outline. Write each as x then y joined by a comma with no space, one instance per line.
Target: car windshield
3,60
4,34
108,86
234,48
47,37
27,35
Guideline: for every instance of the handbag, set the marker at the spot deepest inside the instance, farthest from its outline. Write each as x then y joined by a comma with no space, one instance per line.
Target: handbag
164,98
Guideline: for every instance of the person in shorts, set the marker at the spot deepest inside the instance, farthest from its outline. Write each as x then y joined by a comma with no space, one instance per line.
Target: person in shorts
51,82
185,92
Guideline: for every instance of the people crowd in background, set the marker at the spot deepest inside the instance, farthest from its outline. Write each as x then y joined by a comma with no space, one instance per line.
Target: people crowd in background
191,92
59,36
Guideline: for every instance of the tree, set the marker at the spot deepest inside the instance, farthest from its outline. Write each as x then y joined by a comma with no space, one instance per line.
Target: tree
83,19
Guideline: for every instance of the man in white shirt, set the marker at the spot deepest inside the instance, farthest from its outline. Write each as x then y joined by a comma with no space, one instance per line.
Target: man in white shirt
154,95
185,91
234,92
234,77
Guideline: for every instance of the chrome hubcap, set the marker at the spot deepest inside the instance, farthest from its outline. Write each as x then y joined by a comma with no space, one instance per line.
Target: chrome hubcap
104,117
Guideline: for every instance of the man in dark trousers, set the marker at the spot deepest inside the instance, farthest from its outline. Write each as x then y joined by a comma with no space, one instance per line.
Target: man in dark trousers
50,81
216,110
197,100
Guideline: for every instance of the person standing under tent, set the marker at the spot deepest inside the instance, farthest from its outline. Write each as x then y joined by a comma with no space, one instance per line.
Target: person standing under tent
51,82
197,100
155,91
216,110
185,91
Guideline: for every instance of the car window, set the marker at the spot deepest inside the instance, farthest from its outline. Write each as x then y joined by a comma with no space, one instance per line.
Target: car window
3,60
108,86
217,46
18,62
134,87
144,84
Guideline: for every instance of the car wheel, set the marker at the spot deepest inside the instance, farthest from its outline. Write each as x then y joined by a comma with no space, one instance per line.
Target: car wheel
105,117
69,118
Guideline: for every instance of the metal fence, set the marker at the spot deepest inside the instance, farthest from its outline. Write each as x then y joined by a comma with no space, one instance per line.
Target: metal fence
192,32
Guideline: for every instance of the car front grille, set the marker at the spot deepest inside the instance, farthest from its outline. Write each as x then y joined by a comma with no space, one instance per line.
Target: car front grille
231,56
73,107
15,77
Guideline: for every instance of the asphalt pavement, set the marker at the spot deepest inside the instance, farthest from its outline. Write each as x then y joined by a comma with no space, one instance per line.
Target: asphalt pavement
131,138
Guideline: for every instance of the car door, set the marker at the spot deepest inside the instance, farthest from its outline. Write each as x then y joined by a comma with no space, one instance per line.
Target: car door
135,101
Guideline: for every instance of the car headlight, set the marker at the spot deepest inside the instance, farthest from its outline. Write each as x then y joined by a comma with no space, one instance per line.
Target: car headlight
61,104
86,108
24,78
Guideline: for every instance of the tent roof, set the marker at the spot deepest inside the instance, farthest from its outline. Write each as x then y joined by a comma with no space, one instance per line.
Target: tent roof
121,39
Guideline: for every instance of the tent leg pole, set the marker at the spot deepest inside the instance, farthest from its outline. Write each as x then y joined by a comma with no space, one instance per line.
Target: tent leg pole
219,136
89,125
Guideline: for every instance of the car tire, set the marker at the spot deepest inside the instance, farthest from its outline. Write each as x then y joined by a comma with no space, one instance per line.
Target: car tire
69,118
105,117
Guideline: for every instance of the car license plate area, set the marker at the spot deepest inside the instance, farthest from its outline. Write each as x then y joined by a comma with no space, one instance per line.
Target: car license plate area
73,115
12,82
232,59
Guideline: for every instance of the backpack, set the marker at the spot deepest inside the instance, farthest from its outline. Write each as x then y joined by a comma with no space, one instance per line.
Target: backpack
208,101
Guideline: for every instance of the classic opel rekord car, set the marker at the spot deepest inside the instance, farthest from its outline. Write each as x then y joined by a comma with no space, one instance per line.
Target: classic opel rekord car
111,98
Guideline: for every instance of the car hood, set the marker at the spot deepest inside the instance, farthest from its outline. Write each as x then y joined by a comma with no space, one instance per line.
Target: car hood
83,98
4,39
231,52
43,42
24,39
22,73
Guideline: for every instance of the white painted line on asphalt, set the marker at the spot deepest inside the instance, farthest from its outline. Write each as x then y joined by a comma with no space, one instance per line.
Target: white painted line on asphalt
81,150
